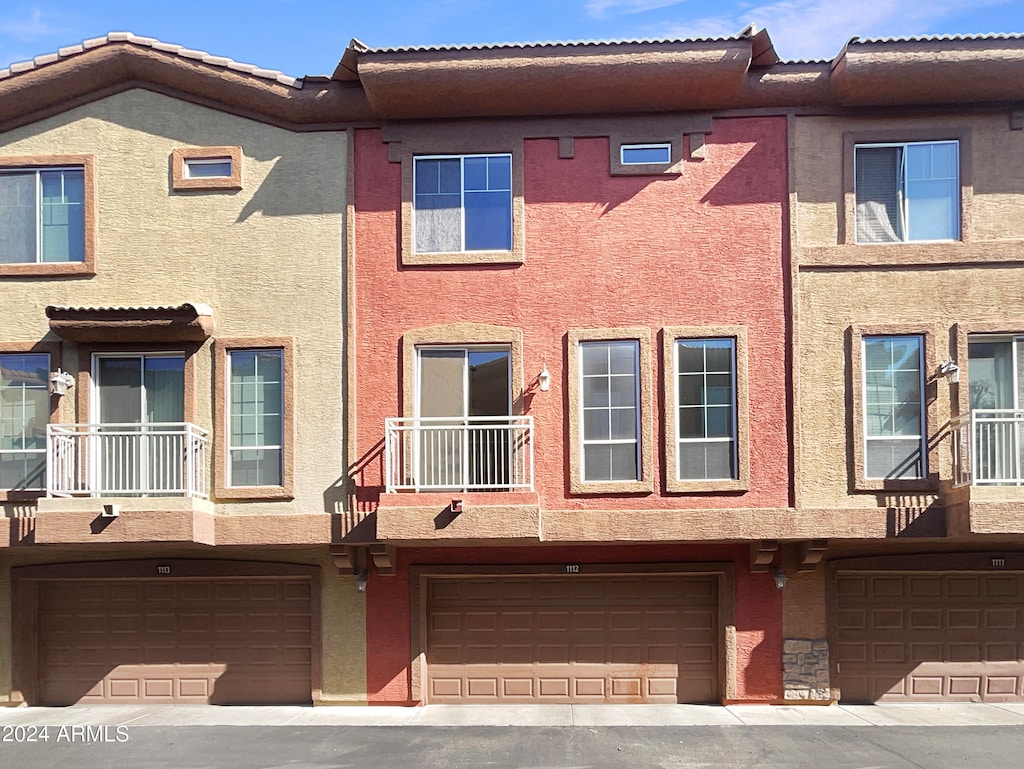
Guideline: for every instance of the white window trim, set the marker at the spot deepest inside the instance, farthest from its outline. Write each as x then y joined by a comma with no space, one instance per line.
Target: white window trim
39,171
584,442
228,481
734,438
922,443
43,450
904,211
462,200
189,163
667,146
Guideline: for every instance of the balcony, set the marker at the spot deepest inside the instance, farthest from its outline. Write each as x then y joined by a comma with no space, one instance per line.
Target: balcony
465,479
153,459
988,473
458,454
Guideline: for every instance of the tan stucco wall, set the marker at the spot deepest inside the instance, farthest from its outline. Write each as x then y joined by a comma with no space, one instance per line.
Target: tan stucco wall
343,613
830,303
267,258
995,162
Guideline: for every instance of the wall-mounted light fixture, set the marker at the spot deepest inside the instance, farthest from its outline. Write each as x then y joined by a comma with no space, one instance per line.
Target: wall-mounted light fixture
544,379
361,581
780,578
61,382
950,370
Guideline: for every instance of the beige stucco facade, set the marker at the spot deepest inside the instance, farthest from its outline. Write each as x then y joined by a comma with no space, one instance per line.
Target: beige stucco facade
942,291
268,259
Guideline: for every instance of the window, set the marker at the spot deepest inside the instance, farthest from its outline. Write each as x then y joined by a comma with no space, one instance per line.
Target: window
907,192
645,154
207,168
24,414
893,407
706,400
462,203
256,411
42,215
610,388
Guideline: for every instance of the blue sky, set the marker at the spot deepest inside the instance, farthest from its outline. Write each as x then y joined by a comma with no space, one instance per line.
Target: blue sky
307,37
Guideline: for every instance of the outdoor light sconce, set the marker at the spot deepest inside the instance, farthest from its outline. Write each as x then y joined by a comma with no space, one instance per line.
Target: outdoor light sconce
544,379
361,581
780,578
949,370
61,382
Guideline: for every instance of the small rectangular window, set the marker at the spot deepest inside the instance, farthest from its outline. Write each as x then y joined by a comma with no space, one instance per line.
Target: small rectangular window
645,154
907,192
610,389
893,407
207,168
42,215
24,414
706,423
256,417
462,203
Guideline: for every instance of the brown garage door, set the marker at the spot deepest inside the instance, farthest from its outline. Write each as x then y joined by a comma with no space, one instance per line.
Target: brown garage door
927,637
211,640
651,638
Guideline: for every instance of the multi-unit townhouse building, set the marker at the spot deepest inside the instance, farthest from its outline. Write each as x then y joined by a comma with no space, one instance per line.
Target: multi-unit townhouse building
589,372
171,399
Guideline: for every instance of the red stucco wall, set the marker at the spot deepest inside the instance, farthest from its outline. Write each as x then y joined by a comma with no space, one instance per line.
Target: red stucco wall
758,610
697,249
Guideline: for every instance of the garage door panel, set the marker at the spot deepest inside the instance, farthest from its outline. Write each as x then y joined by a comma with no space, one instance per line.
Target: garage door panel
577,645
962,638
221,640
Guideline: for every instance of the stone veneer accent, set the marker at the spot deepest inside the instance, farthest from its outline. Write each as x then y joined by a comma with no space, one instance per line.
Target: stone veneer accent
805,669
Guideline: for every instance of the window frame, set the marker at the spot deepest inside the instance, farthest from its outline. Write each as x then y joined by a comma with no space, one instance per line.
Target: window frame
909,251
929,335
40,163
901,191
53,350
192,163
866,435
644,483
624,147
223,348
472,144
181,181
609,409
462,203
670,336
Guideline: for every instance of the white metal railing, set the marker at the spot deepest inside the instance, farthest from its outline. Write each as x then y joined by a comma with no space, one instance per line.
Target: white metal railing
157,459
458,454
988,448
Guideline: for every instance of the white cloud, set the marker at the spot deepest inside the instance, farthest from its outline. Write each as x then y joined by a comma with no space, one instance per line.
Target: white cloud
818,29
32,27
601,8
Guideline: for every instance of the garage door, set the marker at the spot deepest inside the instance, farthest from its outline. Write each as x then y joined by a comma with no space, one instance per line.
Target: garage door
651,638
196,641
927,637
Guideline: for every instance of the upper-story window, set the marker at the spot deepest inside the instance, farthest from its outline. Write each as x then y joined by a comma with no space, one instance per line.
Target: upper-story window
24,414
462,203
706,421
42,215
894,407
611,410
207,168
907,191
256,417
645,154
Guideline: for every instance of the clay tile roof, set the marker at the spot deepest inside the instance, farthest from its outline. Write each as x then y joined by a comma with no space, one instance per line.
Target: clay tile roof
551,44
936,38
148,42
198,307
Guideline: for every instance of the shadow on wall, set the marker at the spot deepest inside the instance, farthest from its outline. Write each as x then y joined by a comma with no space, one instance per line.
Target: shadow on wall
287,190
747,183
